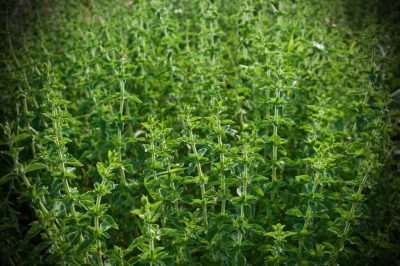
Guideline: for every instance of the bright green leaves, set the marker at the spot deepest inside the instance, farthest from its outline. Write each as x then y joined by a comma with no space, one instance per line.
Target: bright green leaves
148,211
195,132
278,249
149,253
294,212
34,167
106,170
190,123
108,222
92,200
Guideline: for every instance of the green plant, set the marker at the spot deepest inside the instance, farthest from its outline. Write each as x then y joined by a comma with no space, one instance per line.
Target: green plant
241,132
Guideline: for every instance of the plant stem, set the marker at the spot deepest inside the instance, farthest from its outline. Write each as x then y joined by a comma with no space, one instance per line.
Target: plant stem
97,227
121,126
57,131
199,171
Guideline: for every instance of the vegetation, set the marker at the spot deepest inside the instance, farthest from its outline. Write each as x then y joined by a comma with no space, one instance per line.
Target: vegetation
241,132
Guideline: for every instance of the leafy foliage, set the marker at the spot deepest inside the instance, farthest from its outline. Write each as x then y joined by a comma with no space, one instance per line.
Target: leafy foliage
241,132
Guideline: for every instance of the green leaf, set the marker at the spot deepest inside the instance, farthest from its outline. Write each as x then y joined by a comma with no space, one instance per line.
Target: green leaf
84,245
33,231
303,178
20,137
294,212
72,161
5,178
134,98
108,221
259,178
35,167
258,190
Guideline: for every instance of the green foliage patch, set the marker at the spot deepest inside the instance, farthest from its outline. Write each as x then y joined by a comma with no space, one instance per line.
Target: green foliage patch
241,132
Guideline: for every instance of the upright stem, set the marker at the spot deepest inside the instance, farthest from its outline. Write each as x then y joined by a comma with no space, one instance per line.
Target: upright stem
314,188
57,131
97,227
120,128
26,112
200,173
360,188
42,209
245,179
309,212
274,154
151,242
164,146
354,205
222,175
275,147
153,162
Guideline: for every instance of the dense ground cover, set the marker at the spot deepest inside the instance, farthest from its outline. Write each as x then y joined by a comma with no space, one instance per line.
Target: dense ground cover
199,132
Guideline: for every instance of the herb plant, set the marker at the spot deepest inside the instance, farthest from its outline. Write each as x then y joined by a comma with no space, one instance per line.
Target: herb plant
241,132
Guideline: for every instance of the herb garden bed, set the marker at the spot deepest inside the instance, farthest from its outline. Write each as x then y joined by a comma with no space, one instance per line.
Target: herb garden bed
241,132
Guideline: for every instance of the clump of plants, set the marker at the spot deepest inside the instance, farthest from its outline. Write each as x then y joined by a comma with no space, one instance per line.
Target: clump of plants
240,132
